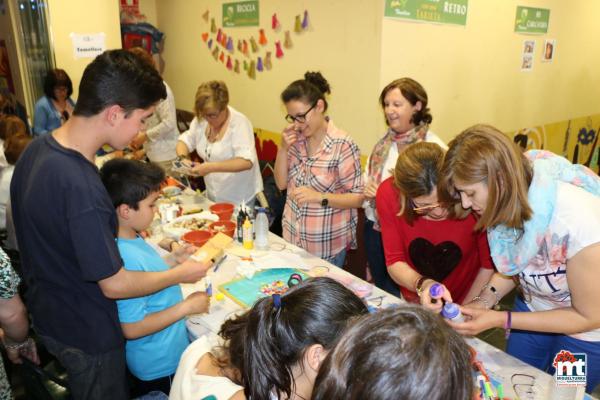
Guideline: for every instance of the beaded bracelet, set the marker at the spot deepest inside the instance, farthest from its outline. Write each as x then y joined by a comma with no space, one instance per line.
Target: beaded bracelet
494,292
484,301
18,346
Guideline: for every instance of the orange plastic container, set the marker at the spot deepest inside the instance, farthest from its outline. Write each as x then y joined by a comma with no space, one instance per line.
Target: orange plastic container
197,238
223,210
226,227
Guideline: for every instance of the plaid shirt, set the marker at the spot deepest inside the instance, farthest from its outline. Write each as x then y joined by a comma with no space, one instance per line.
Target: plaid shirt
334,168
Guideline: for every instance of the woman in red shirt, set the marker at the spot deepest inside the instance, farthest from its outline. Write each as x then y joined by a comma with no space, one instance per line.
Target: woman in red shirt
424,240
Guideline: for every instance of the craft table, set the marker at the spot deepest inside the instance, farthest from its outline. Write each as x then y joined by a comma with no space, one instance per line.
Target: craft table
500,366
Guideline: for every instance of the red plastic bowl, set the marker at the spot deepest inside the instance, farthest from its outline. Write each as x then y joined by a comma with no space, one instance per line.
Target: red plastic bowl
226,227
223,210
197,238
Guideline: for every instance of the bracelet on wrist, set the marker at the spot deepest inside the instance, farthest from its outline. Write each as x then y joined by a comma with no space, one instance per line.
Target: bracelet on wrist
419,285
17,346
486,303
507,324
494,292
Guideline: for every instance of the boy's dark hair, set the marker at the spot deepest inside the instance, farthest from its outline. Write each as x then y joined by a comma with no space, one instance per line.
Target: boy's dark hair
56,78
130,181
309,90
314,312
118,77
404,353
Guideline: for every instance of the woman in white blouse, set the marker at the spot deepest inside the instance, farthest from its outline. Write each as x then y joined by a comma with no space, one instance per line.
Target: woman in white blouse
223,137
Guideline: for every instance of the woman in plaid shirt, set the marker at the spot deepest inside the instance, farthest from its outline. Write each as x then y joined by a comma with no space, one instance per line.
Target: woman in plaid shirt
319,165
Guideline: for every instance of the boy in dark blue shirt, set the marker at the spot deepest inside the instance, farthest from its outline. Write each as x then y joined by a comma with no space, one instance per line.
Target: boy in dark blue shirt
66,227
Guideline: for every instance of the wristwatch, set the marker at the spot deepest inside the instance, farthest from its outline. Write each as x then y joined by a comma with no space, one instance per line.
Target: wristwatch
324,201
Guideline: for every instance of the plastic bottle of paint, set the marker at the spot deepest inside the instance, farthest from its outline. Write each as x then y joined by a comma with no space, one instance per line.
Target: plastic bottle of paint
248,236
261,227
452,312
436,291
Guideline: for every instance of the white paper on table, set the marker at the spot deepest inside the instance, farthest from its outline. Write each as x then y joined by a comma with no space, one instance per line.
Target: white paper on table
279,260
219,313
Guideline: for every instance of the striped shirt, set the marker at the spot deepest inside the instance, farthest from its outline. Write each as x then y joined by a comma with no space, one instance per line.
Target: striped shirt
334,168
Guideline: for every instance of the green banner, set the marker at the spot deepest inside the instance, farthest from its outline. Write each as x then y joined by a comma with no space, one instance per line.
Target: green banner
240,13
443,12
532,20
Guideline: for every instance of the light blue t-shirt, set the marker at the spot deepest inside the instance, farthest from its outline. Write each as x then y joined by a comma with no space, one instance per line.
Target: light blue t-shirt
157,355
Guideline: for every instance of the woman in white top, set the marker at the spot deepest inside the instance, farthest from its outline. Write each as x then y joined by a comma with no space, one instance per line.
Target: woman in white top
160,135
223,137
404,103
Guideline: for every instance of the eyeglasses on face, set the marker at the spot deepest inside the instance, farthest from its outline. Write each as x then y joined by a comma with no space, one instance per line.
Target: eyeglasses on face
213,115
422,210
300,118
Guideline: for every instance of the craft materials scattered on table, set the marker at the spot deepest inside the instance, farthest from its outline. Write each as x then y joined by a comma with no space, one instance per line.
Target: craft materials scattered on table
245,291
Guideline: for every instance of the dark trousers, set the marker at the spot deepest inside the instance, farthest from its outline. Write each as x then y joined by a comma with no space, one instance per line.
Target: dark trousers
91,376
376,259
141,387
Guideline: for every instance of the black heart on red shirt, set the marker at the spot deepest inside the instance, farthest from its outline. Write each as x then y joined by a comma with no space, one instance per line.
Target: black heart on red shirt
434,261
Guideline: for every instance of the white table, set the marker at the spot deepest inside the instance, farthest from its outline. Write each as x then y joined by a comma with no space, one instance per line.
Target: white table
499,365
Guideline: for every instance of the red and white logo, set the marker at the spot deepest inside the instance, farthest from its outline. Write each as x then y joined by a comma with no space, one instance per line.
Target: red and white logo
571,368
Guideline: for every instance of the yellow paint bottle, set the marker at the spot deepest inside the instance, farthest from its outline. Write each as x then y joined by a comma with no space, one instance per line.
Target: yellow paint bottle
247,235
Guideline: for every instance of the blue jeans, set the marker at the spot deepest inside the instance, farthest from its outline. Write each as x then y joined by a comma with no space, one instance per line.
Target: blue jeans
338,259
91,376
376,259
538,349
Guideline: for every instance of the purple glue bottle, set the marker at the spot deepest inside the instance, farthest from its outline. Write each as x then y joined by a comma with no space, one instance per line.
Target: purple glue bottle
436,291
451,312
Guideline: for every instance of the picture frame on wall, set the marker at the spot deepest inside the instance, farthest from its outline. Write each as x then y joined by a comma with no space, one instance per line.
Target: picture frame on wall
549,50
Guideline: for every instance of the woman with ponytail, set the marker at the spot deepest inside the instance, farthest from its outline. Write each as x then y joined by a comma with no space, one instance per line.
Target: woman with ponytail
288,336
319,165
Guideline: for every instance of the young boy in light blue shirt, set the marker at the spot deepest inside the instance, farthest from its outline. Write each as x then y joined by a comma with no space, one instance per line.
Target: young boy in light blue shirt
154,324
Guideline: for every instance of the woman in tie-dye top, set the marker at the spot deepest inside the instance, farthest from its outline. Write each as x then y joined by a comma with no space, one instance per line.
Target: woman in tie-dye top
319,165
542,215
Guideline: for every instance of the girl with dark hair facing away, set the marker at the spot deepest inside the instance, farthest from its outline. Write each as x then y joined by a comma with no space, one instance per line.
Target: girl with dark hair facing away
319,165
288,337
56,106
403,353
404,104
541,214
426,240
208,368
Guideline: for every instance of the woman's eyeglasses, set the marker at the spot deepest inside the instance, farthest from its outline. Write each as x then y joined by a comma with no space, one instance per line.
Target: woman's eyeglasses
300,118
213,115
424,209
